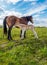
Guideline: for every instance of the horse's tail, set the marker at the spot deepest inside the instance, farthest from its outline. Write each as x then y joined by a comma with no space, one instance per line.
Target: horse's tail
4,26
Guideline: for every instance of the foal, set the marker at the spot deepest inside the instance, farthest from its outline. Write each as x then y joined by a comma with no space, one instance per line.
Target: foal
24,27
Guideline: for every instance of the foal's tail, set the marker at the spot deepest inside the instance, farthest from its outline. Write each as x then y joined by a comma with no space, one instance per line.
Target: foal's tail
4,26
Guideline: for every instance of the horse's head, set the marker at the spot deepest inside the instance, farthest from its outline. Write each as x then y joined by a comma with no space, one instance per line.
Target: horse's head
29,18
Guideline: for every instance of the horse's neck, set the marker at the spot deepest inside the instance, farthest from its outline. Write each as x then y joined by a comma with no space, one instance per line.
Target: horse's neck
27,18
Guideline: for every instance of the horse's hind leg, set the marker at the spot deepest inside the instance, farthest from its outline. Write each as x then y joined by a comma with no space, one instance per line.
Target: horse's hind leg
9,34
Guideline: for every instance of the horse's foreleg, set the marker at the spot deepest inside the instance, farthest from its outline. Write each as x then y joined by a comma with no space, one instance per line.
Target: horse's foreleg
9,34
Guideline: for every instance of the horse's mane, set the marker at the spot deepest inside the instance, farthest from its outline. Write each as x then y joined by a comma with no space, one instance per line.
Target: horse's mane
27,17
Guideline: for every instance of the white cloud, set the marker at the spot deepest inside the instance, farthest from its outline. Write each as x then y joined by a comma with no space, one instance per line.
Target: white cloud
33,3
1,0
41,25
13,13
30,0
36,16
36,10
8,13
12,1
1,22
39,7
1,9
40,22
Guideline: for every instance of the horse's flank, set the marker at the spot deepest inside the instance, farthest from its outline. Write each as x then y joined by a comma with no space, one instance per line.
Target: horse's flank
11,20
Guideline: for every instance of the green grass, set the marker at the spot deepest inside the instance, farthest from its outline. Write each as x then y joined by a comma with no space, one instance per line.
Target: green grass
29,51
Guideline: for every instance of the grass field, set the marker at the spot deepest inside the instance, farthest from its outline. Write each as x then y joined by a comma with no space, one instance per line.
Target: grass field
29,51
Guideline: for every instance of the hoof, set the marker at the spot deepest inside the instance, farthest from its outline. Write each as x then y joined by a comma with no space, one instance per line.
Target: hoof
10,39
22,38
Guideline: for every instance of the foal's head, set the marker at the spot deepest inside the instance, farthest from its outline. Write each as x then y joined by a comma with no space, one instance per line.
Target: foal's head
29,18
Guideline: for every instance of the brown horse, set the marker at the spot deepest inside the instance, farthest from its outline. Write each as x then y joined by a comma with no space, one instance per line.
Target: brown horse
11,21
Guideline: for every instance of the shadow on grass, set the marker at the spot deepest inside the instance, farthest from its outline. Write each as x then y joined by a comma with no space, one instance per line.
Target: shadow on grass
35,43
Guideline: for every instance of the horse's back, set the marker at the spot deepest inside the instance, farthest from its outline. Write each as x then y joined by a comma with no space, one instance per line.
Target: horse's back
23,20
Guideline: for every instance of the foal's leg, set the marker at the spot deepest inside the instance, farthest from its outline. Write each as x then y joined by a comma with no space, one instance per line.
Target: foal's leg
35,34
20,33
9,34
23,33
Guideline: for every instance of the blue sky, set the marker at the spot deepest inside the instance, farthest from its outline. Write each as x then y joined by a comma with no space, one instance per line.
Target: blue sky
35,8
